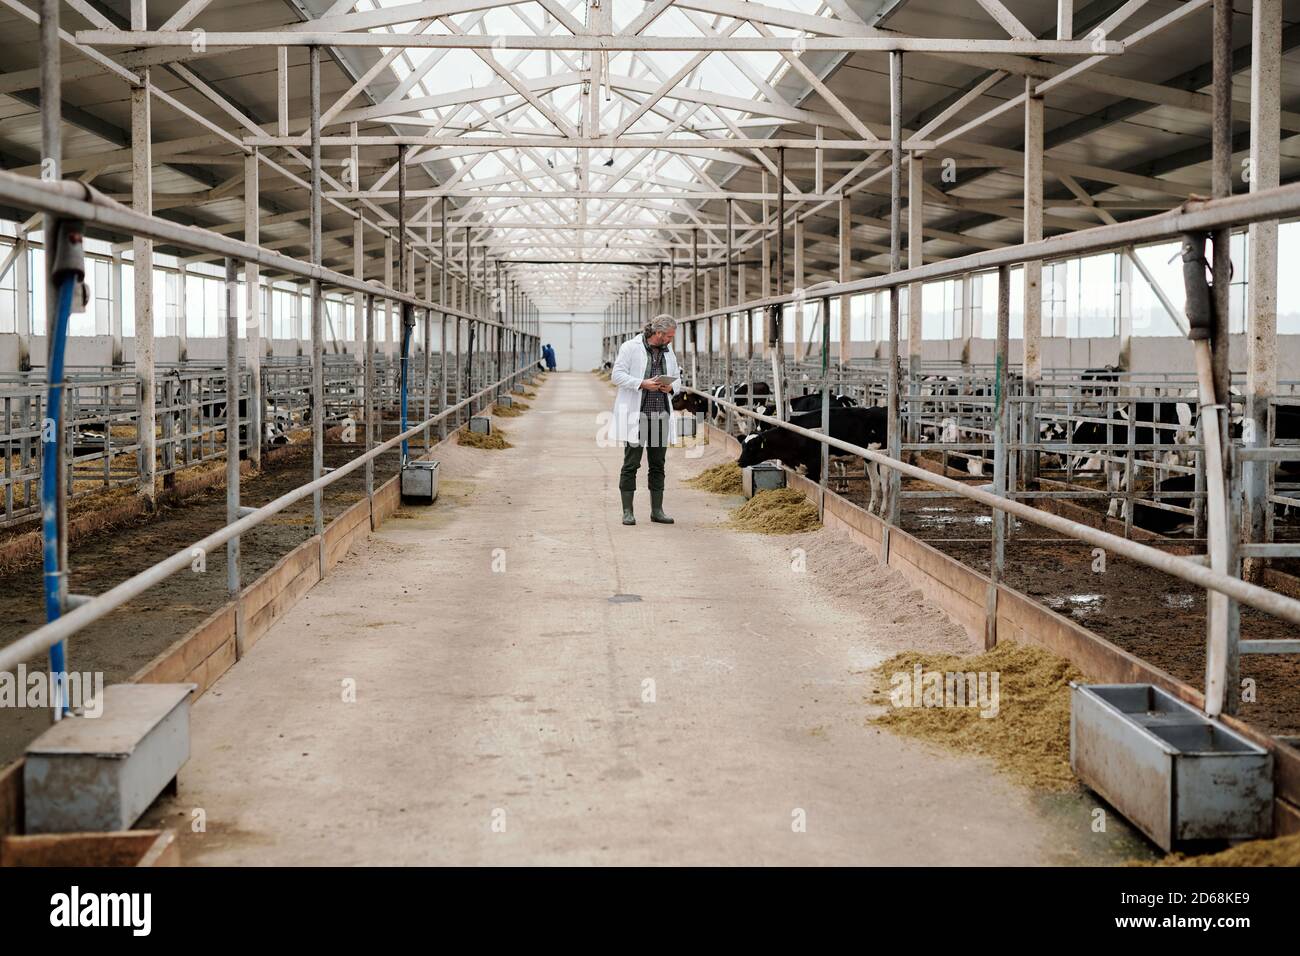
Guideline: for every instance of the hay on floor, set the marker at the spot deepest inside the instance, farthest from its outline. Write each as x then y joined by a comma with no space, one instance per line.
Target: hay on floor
1281,851
493,442
776,511
722,479
514,410
1028,734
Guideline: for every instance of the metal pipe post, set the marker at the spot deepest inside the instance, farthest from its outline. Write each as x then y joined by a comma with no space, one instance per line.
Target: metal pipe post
317,316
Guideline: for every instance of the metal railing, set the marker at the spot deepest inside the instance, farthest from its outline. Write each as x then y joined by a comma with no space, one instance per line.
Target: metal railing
1187,569
503,352
1195,218
99,606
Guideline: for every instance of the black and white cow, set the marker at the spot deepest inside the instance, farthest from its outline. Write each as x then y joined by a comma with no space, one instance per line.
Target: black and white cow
1107,373
1160,520
802,404
87,438
813,402
864,427
698,405
936,388
277,427
1286,428
1149,415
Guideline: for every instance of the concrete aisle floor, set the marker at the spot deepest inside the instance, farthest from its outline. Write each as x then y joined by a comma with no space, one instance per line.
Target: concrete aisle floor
499,713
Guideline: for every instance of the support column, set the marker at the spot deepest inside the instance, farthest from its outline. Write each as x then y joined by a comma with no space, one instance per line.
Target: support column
54,473
967,317
695,271
778,317
23,303
1222,614
798,281
1001,434
442,300
232,443
1261,245
893,409
142,253
183,324
369,407
252,312
295,317
317,316
726,319
915,259
116,303
1124,308
846,273
358,272
393,346
1033,232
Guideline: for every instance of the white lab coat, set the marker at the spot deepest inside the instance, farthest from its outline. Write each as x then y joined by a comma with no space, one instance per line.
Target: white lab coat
627,375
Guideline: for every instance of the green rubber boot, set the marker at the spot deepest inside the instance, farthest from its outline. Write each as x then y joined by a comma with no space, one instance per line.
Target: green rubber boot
628,517
657,508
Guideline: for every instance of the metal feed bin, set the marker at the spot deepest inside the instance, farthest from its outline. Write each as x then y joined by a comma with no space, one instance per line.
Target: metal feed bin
101,773
518,389
505,401
420,481
1176,774
764,476
481,424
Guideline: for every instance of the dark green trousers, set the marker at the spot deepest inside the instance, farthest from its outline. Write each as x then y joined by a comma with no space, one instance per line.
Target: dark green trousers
654,441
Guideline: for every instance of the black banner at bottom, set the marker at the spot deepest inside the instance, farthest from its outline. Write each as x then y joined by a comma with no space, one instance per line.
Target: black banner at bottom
334,906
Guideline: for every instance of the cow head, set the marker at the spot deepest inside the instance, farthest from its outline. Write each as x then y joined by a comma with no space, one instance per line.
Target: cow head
689,402
752,449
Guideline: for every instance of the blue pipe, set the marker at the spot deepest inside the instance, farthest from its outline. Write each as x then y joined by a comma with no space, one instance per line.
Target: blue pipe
51,475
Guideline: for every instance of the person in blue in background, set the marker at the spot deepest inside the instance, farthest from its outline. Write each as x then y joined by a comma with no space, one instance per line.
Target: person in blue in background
548,353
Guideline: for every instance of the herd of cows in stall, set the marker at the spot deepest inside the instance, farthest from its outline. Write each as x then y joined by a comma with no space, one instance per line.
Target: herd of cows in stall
1103,434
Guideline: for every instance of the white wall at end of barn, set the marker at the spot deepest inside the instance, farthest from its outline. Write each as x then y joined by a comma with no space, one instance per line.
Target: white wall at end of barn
576,338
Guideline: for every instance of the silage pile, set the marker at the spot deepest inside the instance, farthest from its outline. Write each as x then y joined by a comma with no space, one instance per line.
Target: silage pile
493,442
1029,736
722,479
776,511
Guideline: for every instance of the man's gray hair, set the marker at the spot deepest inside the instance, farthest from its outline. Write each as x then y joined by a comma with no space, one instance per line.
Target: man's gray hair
660,323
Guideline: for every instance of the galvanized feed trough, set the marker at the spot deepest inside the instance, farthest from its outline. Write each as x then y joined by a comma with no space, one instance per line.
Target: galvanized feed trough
481,424
101,773
1176,774
420,481
762,477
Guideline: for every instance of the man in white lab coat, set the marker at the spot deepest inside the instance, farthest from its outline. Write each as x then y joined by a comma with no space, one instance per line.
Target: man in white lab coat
643,413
